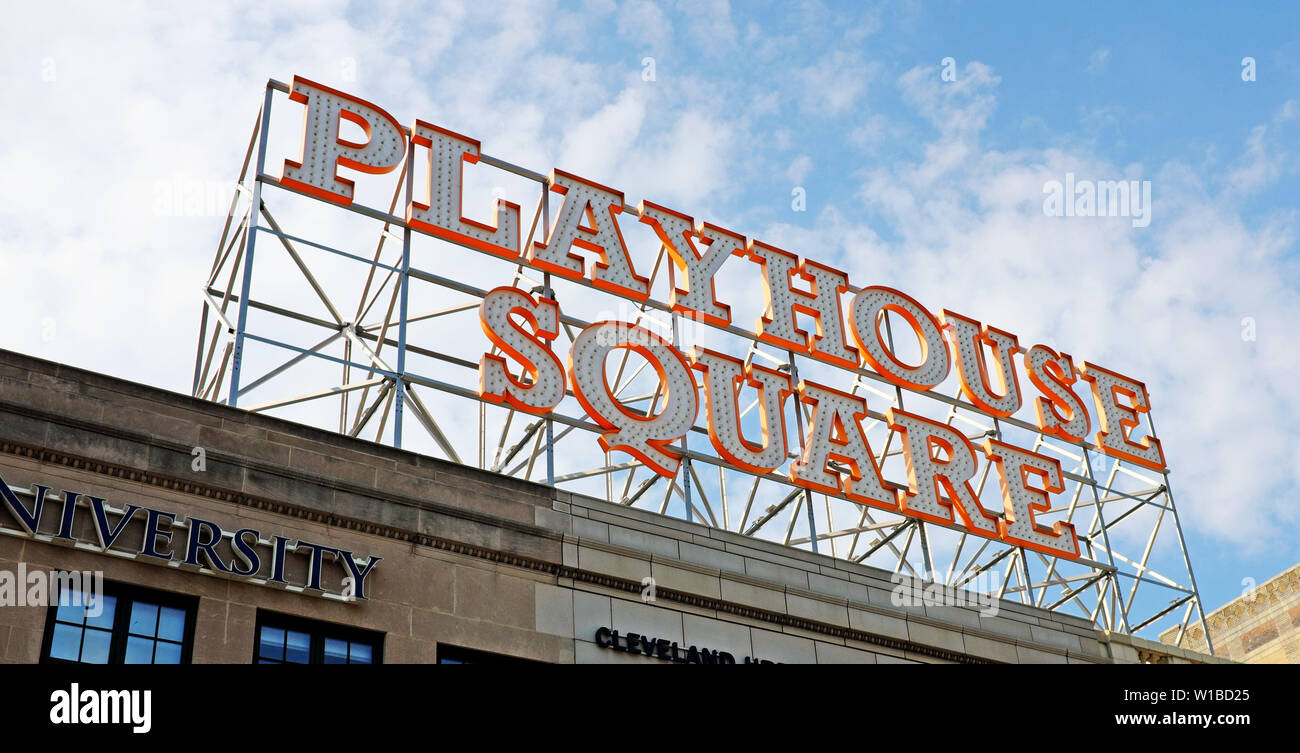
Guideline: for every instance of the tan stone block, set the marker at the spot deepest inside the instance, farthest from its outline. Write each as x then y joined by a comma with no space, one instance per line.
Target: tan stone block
938,637
779,647
647,620
592,530
23,645
702,553
717,634
829,653
591,612
641,541
403,649
987,648
553,609
1028,655
1005,626
222,442
605,562
689,581
818,610
552,520
748,594
890,659
494,597
776,573
480,635
421,582
926,658
589,653
878,624
839,587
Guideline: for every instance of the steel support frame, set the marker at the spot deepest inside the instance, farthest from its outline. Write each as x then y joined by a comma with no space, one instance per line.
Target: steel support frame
1092,587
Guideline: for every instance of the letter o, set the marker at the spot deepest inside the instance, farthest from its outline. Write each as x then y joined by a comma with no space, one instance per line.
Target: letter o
936,360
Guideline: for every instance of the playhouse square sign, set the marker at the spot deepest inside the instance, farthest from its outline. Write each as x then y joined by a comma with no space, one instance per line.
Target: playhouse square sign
837,458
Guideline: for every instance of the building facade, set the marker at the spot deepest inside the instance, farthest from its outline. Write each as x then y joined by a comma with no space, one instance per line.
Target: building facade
1262,626
206,534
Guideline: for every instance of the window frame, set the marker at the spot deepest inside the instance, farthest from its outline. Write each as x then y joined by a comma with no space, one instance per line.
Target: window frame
318,631
462,655
126,595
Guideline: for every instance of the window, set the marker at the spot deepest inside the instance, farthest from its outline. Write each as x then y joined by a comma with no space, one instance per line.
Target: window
123,625
282,639
458,655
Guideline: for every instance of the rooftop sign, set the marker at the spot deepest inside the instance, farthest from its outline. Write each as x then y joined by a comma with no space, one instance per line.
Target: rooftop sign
584,243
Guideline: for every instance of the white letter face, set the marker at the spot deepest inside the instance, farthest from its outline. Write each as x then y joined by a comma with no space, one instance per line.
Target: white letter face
678,234
970,338
644,437
599,208
778,326
936,361
1118,420
444,215
1022,500
835,433
723,377
545,388
928,475
1061,413
324,150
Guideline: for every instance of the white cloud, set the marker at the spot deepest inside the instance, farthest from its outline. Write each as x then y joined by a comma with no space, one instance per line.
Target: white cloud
1098,60
799,168
1265,158
710,24
595,147
1163,304
834,83
644,23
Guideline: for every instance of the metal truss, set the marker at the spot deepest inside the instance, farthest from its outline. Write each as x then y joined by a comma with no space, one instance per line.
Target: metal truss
366,368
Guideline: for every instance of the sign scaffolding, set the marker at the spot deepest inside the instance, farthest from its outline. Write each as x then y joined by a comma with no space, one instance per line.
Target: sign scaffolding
414,342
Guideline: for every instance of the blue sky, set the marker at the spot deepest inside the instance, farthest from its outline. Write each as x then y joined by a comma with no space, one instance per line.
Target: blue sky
933,187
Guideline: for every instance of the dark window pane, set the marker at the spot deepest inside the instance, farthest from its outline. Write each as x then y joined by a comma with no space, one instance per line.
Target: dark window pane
94,646
144,619
301,641
167,653
105,617
272,645
66,643
336,651
171,624
138,651
297,648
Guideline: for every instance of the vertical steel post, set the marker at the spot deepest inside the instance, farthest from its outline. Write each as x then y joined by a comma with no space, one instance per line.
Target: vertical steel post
400,408
546,283
685,469
249,241
798,415
1105,538
1182,544
198,357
